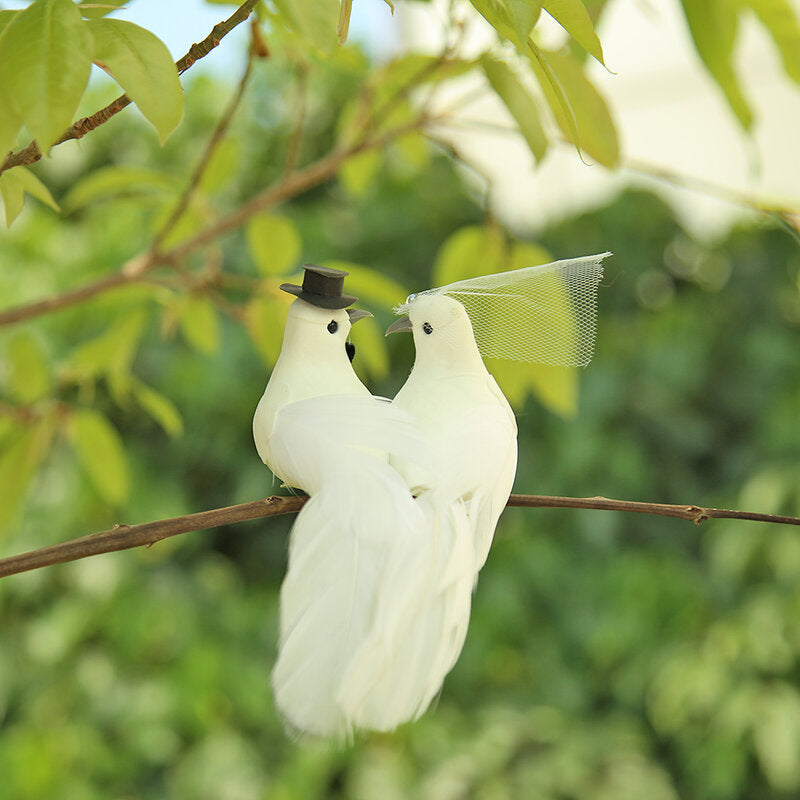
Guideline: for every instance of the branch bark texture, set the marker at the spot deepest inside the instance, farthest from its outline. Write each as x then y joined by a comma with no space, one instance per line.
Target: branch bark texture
124,537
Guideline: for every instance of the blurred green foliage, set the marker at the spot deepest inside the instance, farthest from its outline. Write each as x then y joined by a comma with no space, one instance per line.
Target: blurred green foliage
609,656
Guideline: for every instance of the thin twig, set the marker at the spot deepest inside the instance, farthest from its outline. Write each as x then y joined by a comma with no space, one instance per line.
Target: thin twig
709,188
131,272
202,165
124,537
296,139
31,153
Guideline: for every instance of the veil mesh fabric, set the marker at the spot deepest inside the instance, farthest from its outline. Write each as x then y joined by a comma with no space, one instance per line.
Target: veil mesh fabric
546,314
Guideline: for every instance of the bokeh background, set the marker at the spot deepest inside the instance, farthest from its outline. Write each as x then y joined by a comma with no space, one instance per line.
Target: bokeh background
609,656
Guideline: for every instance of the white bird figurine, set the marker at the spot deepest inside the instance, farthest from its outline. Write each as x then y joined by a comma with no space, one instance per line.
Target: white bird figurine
373,606
544,313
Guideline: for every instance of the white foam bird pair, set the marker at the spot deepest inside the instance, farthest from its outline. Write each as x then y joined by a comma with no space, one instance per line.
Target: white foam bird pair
404,496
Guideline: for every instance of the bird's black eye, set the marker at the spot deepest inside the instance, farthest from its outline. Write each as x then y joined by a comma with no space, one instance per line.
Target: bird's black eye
427,327
333,326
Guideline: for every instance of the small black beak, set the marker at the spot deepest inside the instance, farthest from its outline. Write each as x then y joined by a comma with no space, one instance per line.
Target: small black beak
403,324
356,314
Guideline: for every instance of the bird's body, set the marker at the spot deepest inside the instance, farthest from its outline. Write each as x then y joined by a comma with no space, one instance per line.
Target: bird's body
462,415
375,601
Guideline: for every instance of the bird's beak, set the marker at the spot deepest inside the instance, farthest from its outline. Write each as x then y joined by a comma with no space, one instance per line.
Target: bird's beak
403,324
356,314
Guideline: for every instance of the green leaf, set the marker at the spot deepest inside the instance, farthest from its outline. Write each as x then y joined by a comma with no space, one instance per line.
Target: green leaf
370,286
714,25
13,194
555,387
579,109
199,324
264,318
19,457
469,252
45,66
14,183
519,104
141,64
108,182
779,19
160,408
101,454
6,17
113,350
90,10
371,356
511,19
28,369
776,736
33,186
315,20
358,172
10,120
573,17
274,243
223,165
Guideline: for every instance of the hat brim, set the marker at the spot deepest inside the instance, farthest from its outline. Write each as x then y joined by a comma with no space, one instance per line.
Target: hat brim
319,300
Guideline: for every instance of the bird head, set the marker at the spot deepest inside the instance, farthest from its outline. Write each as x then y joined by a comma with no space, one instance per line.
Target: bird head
319,334
443,336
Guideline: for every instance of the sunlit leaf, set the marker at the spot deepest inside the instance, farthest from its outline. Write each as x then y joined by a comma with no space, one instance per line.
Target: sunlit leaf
274,243
518,102
359,172
92,10
45,66
370,286
512,19
159,407
101,454
199,323
28,370
13,194
113,350
10,120
6,17
20,455
141,64
108,182
780,20
315,20
371,354
776,736
573,17
469,252
265,318
15,183
405,72
223,165
580,111
714,25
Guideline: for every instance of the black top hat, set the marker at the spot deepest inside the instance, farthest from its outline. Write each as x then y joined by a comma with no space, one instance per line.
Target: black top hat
322,286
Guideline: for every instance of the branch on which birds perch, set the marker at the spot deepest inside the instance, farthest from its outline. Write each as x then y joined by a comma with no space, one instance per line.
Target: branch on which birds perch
124,537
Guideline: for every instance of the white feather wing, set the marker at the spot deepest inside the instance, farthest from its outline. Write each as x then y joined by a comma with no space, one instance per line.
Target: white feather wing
360,519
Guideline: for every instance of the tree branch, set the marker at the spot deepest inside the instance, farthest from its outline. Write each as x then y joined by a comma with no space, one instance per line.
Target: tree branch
202,165
31,153
124,537
288,186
